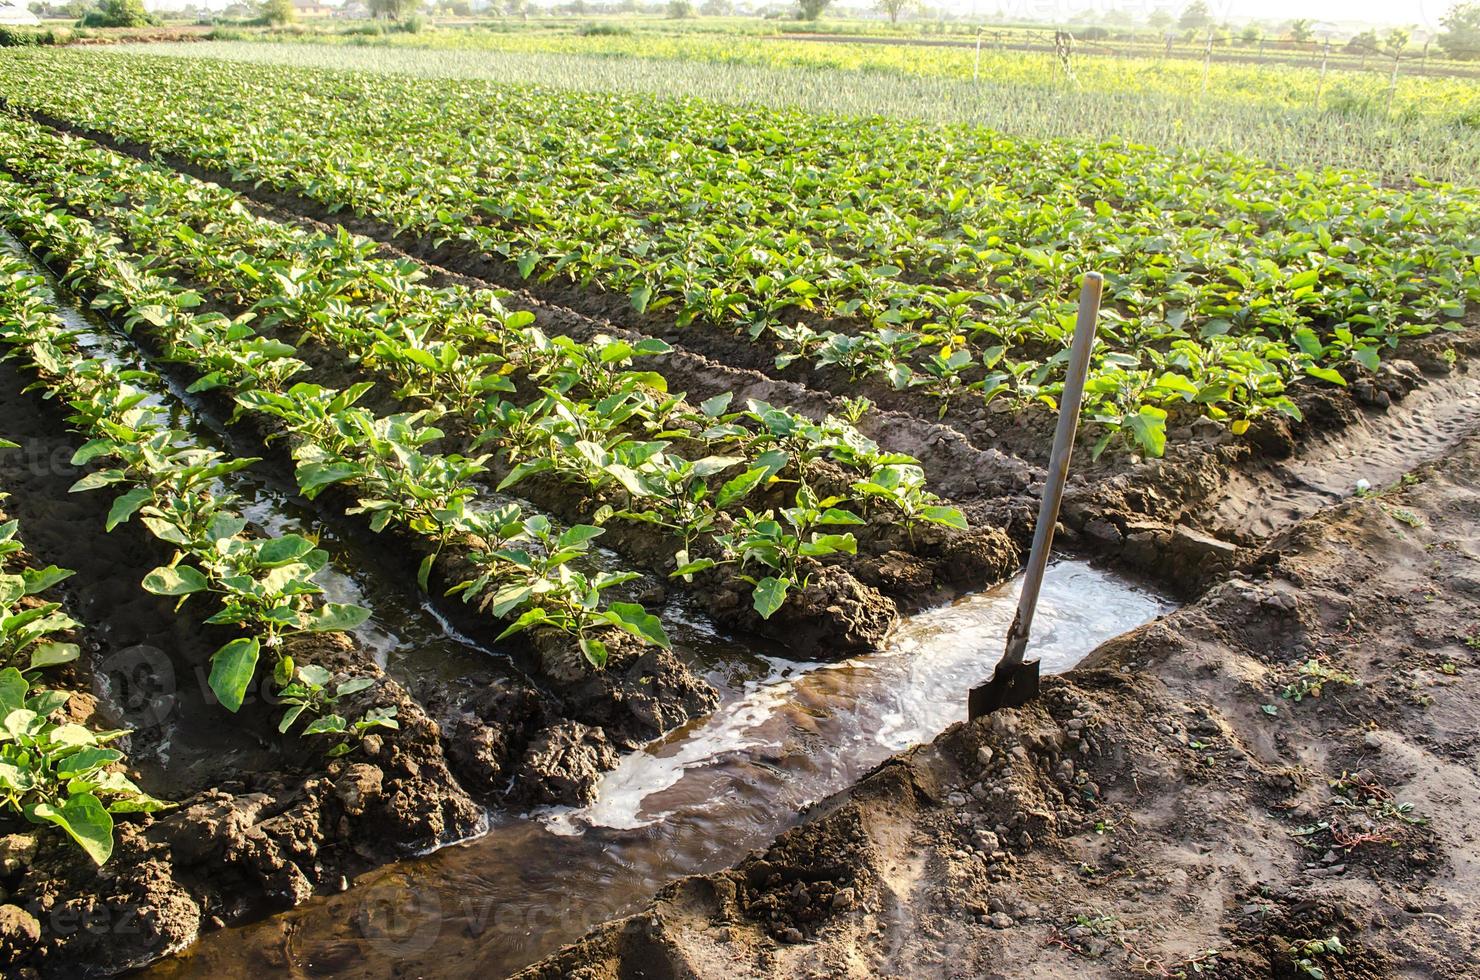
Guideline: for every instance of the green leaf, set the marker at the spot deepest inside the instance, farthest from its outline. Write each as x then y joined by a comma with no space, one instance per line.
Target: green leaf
232,668
833,515
737,488
39,580
1325,374
1149,428
715,407
52,654
768,595
531,617
1308,341
283,549
314,477
124,507
640,296
87,761
176,580
334,617
578,534
94,481
290,716
86,821
689,568
13,688
524,469
636,620
595,651
354,686
1303,279
509,598
947,516
328,723
424,572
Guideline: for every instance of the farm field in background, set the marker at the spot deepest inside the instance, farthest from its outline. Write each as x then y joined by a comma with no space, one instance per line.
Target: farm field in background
1269,113
574,472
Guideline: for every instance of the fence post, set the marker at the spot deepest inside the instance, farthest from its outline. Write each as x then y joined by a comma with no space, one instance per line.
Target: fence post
1393,82
976,69
1321,84
1207,62
1261,49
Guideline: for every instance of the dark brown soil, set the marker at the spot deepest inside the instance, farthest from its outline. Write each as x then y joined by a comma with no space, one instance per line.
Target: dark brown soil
1168,808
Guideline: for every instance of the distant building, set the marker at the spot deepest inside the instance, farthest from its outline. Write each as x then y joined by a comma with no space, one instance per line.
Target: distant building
13,14
312,8
353,10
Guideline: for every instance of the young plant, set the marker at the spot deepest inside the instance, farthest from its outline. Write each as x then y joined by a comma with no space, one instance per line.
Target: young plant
60,773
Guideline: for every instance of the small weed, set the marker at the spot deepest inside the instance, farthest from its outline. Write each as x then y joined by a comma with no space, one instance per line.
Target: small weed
1314,676
1305,952
1095,936
1404,516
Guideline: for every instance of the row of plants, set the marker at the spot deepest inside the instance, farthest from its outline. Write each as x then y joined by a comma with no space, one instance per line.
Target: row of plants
597,422
53,770
938,261
525,572
263,586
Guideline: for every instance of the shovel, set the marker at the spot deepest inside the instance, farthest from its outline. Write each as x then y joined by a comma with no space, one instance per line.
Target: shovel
1015,681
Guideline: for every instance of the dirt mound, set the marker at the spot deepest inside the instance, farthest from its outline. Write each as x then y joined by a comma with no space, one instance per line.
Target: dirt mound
1276,781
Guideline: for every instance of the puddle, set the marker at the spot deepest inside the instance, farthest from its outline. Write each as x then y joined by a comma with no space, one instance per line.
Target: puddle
694,801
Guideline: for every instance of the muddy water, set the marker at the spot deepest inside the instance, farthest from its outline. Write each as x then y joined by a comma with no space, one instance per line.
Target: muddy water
694,801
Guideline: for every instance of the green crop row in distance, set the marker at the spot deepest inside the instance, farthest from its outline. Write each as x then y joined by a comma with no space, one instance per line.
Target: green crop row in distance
941,261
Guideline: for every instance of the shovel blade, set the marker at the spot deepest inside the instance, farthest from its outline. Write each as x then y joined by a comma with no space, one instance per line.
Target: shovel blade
1011,686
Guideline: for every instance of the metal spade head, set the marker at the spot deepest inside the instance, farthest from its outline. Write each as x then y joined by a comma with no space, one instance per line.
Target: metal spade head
1012,686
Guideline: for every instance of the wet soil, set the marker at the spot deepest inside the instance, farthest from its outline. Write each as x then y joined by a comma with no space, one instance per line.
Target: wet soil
1169,807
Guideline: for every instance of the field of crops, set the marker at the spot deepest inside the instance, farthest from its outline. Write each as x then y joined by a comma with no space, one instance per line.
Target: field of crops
462,437
1231,280
1285,114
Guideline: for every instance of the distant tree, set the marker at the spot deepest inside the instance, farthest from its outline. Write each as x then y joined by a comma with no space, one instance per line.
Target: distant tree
1251,34
391,9
116,13
1195,17
1461,37
516,8
896,7
716,8
680,9
1363,42
1159,20
1396,40
812,9
1302,30
278,12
